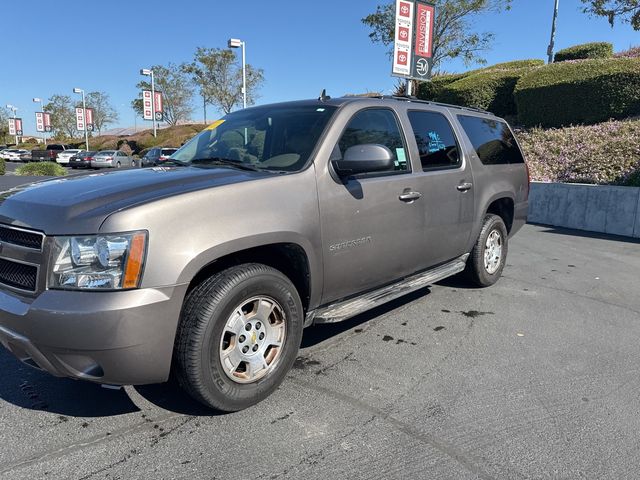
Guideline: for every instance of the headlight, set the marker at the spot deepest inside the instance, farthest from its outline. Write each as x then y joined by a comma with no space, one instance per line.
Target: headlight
98,262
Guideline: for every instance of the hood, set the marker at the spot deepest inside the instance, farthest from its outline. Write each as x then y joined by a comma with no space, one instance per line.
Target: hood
79,205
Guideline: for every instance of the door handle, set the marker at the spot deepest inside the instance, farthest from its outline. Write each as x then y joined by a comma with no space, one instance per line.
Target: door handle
463,187
410,196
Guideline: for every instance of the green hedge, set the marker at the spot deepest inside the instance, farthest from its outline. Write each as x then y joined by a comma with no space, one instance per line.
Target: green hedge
433,89
584,92
585,51
41,169
516,64
2,166
490,90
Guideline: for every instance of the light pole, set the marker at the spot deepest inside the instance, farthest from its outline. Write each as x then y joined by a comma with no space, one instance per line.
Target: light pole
84,117
14,110
235,43
149,72
44,133
553,32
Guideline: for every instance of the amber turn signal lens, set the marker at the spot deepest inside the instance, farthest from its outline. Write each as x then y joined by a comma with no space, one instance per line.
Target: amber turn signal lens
135,260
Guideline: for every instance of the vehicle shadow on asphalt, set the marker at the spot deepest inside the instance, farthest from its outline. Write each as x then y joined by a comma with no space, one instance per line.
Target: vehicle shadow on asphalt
32,389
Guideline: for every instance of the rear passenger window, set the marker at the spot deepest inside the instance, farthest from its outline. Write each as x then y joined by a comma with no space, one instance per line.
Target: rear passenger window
436,141
377,126
492,140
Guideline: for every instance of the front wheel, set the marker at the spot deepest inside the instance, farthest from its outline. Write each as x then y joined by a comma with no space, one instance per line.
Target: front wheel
239,335
489,255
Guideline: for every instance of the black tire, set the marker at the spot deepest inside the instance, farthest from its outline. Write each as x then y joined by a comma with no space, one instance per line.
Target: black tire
118,164
476,270
133,164
197,363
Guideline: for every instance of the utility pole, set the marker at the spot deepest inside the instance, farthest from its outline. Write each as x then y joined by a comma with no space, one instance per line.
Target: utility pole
553,32
149,73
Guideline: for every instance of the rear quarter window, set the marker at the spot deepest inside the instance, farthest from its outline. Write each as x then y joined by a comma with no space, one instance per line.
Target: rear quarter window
492,140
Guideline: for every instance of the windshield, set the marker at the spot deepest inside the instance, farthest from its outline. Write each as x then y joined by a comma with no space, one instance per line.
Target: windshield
106,153
275,137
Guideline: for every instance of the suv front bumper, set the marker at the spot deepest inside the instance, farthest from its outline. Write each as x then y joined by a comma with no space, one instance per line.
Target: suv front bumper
120,338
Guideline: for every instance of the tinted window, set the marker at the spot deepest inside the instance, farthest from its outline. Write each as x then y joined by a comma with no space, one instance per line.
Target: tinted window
492,140
436,141
375,126
274,137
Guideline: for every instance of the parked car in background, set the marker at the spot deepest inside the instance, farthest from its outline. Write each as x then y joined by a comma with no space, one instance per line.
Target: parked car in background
81,159
156,156
49,154
25,157
112,159
4,154
14,155
63,157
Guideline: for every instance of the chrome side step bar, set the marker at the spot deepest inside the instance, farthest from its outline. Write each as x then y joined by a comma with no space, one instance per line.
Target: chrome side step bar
354,306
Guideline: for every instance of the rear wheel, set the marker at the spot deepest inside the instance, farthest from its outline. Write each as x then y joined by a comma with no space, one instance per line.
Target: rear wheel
238,337
118,164
488,257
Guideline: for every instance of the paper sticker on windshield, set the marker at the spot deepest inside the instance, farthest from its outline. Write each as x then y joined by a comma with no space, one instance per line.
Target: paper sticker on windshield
215,125
402,159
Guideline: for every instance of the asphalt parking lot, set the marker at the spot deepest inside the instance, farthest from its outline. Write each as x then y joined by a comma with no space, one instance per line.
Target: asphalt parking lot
535,377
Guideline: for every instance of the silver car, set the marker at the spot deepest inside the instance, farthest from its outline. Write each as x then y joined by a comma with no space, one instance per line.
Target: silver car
112,159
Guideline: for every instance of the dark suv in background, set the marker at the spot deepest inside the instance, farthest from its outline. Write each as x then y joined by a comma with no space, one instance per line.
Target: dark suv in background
157,155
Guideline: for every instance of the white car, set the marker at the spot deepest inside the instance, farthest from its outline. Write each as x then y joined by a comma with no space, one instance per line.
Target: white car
15,155
4,154
64,157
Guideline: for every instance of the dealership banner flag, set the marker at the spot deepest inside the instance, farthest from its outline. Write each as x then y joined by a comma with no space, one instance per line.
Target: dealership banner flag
12,126
39,122
47,121
147,111
89,118
413,45
158,105
79,119
19,127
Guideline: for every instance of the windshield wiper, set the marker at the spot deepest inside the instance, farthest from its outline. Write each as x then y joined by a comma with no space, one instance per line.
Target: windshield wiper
170,161
227,162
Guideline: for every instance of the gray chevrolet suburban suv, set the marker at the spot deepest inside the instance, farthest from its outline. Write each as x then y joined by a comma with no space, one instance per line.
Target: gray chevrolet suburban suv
270,220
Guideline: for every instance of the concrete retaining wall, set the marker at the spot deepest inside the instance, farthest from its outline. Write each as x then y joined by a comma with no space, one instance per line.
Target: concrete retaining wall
596,208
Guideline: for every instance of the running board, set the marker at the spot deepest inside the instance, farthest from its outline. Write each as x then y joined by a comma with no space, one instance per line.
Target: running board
354,306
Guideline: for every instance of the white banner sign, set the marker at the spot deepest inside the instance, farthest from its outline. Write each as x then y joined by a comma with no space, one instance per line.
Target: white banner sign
12,126
79,119
402,53
39,122
147,110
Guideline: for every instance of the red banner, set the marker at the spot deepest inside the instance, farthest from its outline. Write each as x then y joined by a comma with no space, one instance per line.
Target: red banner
89,116
424,30
47,121
19,127
158,106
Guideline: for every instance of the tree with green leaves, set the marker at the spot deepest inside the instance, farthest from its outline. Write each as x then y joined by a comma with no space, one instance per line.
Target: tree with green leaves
177,92
4,125
626,11
453,35
218,76
103,112
63,116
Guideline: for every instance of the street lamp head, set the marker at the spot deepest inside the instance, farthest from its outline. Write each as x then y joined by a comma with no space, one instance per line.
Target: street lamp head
37,100
145,71
234,43
77,90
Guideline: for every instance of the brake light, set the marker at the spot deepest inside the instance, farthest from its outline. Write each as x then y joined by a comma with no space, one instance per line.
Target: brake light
89,158
109,158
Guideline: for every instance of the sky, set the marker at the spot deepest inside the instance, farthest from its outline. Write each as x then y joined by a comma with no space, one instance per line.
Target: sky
303,47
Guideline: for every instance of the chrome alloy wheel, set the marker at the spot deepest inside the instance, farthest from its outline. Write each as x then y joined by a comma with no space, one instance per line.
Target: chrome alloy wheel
493,252
253,339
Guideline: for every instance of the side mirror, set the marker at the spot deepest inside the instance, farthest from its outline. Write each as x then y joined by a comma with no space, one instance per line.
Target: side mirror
363,159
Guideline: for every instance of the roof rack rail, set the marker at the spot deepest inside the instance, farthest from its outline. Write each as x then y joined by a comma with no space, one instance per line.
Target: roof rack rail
429,102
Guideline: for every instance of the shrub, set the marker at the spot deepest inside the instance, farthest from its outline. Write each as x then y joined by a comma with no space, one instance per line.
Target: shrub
584,92
2,166
633,52
585,51
433,89
516,64
489,90
607,153
50,169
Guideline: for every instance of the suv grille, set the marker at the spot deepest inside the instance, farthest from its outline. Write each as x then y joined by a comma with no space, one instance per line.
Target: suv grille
21,238
18,275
